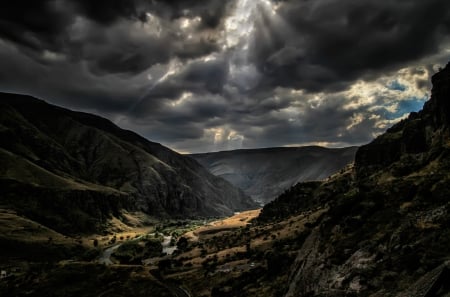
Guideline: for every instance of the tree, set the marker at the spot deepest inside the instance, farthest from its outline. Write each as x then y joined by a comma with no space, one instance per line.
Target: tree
182,244
153,248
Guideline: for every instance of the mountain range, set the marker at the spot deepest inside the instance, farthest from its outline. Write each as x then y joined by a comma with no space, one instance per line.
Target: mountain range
72,170
263,174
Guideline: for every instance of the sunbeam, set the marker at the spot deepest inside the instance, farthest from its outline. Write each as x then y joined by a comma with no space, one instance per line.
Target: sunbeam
248,18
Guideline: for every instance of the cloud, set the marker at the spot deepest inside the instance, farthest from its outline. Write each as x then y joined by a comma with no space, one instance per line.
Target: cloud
331,43
35,24
59,80
107,12
214,75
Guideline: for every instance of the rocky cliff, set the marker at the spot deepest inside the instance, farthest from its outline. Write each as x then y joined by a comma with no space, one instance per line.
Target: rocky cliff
264,174
385,229
54,159
415,141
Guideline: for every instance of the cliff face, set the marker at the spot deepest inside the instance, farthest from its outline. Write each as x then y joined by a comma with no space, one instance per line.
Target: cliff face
420,137
59,152
386,223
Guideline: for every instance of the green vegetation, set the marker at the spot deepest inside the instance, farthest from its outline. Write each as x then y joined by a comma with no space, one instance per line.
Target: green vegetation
134,251
177,228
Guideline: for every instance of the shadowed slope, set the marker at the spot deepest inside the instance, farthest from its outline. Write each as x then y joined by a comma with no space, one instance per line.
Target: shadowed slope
48,150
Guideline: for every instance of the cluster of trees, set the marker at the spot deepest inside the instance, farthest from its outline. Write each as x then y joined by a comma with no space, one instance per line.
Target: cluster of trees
133,252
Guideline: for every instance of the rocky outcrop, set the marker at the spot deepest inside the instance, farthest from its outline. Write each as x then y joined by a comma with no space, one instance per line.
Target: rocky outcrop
418,136
439,105
60,150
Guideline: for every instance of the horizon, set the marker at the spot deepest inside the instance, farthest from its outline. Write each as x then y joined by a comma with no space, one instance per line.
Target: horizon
230,75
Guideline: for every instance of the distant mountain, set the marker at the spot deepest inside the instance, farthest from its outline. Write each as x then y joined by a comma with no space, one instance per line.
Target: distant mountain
384,228
266,173
71,170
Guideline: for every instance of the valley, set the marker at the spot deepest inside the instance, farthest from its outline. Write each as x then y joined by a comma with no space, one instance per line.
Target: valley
241,148
209,256
377,227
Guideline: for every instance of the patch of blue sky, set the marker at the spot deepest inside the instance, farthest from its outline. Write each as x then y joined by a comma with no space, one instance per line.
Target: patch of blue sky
412,104
396,86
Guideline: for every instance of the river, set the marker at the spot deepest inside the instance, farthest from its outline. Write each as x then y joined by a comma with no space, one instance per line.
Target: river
105,258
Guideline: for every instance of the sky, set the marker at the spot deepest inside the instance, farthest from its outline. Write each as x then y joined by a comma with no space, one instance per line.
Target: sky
212,75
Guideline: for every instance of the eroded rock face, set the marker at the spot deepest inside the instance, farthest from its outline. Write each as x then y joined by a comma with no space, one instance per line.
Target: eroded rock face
386,230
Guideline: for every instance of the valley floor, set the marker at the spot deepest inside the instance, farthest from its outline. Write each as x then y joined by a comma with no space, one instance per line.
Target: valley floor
211,258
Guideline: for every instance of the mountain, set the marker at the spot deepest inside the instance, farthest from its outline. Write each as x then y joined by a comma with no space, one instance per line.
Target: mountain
72,170
266,173
384,224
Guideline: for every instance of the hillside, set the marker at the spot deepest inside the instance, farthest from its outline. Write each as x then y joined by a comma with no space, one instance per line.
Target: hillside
71,170
264,174
385,229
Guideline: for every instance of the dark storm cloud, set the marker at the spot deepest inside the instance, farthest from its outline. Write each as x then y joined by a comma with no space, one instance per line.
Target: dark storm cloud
212,12
182,120
331,43
117,50
199,76
208,76
83,53
58,80
108,11
44,24
34,24
325,123
105,32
